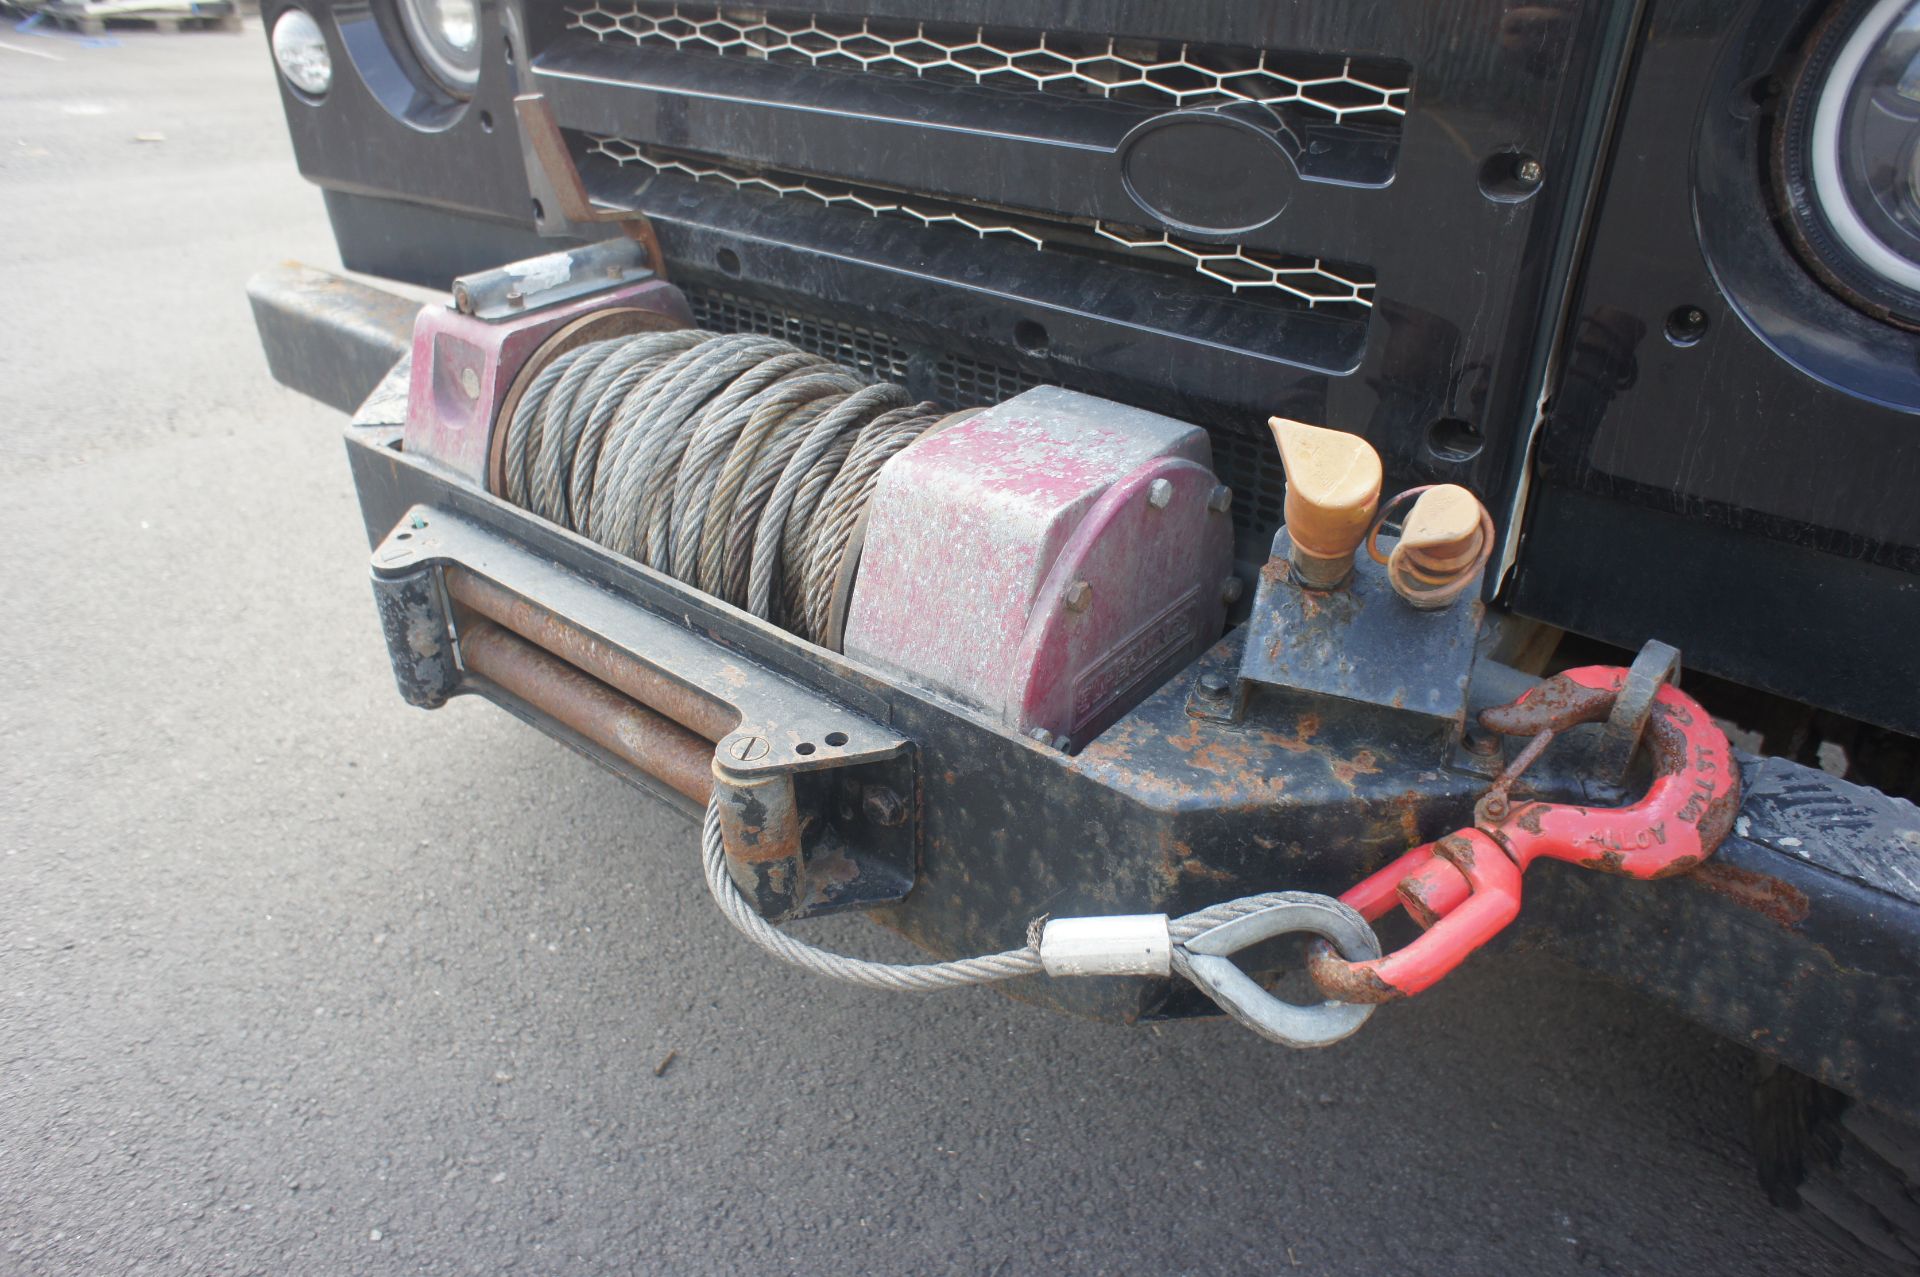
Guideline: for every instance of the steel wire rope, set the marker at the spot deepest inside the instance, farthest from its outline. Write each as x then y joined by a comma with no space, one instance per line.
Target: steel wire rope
737,463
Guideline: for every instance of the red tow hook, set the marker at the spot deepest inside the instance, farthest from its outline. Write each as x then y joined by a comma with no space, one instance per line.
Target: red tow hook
1464,888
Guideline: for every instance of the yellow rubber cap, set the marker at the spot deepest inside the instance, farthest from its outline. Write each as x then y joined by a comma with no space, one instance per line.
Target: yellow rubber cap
1333,487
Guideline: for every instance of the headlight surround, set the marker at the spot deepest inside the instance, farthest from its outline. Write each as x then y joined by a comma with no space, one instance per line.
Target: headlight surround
1850,156
445,35
300,51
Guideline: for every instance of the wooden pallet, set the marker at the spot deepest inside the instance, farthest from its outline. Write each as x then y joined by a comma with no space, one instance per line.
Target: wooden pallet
91,24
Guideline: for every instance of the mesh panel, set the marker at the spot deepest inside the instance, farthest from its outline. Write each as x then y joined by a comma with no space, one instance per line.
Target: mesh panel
846,344
964,382
1257,274
1149,73
1251,467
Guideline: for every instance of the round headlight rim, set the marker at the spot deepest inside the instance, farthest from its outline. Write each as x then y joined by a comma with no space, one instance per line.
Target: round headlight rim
1804,217
452,70
1830,189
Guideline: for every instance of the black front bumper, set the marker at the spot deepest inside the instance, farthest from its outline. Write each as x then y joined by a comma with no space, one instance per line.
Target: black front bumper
1801,938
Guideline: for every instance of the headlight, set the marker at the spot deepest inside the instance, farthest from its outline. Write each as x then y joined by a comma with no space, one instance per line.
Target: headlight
1851,155
446,38
300,51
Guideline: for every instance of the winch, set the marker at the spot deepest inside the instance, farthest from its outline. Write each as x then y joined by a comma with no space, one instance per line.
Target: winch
1049,567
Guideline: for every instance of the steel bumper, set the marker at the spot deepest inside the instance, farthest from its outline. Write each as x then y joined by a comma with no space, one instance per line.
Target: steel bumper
1801,938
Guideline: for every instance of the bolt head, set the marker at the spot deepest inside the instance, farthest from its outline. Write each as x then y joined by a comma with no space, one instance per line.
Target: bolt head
1079,596
1220,500
1159,492
1530,171
1215,686
747,749
1042,735
1231,589
882,806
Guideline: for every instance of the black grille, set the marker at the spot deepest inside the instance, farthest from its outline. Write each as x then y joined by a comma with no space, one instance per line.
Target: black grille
858,348
1155,75
1260,276
959,380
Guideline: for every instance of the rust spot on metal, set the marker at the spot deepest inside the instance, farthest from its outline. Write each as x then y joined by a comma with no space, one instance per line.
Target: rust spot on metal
1607,862
631,732
692,709
1362,763
1193,867
1680,865
1346,981
1780,901
1458,850
1557,703
1529,818
1718,821
1303,733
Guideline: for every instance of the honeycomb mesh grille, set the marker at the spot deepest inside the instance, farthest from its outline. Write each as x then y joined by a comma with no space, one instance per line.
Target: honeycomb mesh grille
1246,464
1256,273
1150,73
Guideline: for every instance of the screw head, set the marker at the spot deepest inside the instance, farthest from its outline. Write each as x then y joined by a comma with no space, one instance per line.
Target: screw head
746,749
1214,686
1220,500
1079,596
1159,492
515,297
1231,589
1529,171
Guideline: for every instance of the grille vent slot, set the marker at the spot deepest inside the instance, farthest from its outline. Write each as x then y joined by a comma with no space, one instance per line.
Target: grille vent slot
1155,74
1255,274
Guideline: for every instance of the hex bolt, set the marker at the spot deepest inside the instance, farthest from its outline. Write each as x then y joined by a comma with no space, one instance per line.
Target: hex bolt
747,748
1482,743
515,297
882,806
1159,492
1215,686
1220,500
1529,171
1231,589
1079,596
1042,735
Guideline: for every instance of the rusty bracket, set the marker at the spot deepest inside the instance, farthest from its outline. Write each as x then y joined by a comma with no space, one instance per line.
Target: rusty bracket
551,170
1657,665
816,800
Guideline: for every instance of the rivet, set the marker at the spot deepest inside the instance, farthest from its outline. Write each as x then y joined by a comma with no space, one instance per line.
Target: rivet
1079,595
1159,492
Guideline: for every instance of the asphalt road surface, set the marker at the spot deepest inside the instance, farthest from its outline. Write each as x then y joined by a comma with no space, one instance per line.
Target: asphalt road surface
295,979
